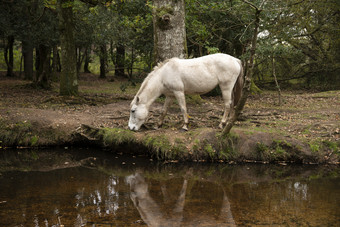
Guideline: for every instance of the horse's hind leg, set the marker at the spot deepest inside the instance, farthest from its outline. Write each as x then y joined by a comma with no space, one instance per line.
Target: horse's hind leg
167,103
226,94
181,101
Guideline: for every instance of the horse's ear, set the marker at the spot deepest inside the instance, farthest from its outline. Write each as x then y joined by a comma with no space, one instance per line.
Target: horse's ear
137,100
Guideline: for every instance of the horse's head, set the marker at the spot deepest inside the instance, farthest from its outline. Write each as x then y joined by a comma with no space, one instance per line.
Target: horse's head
138,114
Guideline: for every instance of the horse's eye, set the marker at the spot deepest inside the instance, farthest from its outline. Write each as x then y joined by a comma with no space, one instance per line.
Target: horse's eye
132,111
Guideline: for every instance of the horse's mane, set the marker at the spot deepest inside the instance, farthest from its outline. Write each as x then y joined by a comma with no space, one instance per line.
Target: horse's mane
151,75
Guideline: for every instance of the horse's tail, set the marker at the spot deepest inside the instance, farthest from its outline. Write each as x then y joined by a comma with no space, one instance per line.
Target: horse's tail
237,90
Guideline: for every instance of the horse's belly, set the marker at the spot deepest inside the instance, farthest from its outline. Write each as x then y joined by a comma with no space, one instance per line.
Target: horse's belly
202,86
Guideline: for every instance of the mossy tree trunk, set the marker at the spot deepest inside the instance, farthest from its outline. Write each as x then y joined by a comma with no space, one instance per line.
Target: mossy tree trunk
68,76
169,29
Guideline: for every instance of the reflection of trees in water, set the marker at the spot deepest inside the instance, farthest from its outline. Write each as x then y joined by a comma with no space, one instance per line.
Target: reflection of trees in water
102,201
73,197
106,203
153,215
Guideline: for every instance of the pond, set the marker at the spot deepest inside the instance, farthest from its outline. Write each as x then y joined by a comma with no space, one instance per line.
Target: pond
97,188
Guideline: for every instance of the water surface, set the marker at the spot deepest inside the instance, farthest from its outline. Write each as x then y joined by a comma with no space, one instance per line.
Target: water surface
93,188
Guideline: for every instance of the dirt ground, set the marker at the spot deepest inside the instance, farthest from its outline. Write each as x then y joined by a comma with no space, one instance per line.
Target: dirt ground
304,115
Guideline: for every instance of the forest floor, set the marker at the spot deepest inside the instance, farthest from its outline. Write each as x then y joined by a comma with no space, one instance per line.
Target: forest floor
310,117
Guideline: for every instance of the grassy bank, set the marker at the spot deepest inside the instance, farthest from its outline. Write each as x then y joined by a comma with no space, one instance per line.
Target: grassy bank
304,129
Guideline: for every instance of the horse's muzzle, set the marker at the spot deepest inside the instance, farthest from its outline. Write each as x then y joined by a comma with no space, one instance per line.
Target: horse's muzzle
133,127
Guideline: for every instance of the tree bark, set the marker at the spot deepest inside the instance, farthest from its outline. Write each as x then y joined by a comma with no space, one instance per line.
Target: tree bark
169,29
130,68
68,76
37,60
249,68
87,60
43,73
120,61
8,54
80,58
103,59
275,78
54,63
27,51
58,62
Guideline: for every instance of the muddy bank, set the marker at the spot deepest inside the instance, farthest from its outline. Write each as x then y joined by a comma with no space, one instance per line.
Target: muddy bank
304,129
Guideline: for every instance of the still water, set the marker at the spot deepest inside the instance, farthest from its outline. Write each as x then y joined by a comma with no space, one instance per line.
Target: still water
94,188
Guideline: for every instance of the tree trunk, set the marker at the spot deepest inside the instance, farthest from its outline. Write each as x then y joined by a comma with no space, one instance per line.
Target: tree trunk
103,59
37,60
169,29
130,69
120,61
68,76
87,60
20,70
27,51
54,76
58,62
43,73
8,54
275,78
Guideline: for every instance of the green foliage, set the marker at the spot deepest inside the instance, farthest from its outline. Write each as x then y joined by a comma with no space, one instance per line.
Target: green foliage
17,57
214,26
302,42
210,150
300,37
315,147
34,140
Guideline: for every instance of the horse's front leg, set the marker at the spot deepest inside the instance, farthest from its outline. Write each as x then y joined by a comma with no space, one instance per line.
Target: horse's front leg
167,103
181,101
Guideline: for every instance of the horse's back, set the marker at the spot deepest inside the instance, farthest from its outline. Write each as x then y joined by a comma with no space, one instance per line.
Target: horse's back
200,75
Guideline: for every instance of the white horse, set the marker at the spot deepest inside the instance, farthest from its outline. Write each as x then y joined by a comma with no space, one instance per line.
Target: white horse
177,77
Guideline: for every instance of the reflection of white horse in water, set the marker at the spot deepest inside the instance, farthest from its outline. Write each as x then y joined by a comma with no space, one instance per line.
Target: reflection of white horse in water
177,77
152,214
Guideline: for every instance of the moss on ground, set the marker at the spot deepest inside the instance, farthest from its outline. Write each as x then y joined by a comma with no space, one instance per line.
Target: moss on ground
18,134
201,144
115,136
